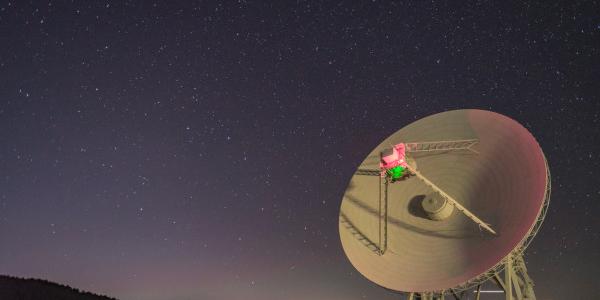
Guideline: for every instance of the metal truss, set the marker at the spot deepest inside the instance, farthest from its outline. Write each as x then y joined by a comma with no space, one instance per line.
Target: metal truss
452,201
513,262
513,265
381,246
442,146
368,172
515,280
383,214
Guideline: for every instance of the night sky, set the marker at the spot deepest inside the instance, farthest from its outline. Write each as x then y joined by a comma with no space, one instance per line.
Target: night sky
198,150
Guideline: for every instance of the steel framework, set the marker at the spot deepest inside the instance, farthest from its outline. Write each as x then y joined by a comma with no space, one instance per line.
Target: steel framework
442,146
453,145
512,266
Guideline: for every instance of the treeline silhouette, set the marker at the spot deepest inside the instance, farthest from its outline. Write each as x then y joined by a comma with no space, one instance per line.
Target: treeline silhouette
14,288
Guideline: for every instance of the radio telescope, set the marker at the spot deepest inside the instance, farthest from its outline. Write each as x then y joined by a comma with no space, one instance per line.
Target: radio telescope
446,204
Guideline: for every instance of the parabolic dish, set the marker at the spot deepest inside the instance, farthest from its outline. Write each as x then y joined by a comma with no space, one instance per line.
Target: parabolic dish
504,184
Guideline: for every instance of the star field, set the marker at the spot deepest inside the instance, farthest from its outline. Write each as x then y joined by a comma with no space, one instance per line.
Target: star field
199,150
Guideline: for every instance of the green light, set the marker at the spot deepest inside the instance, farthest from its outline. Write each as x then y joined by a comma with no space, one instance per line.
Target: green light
396,172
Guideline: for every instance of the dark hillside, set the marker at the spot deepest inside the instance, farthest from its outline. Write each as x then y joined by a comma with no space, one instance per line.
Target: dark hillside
13,288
